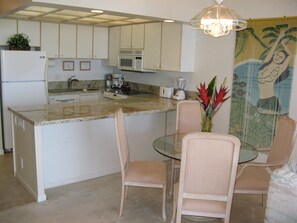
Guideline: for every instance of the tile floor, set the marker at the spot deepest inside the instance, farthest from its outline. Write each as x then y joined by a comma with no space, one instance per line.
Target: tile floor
98,200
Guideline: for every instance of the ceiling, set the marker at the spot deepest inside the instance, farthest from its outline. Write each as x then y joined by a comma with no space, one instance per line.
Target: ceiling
55,14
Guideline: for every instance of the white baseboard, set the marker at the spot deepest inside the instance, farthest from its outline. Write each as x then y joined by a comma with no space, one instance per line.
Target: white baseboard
80,178
34,194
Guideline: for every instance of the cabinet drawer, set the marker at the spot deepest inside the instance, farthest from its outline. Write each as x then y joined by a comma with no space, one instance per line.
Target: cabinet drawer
63,99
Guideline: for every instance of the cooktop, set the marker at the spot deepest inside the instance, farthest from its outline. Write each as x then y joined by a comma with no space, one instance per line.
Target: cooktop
117,93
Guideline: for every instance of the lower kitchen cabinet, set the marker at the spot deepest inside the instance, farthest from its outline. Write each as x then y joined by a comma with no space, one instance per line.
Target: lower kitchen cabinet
73,98
47,156
67,98
90,97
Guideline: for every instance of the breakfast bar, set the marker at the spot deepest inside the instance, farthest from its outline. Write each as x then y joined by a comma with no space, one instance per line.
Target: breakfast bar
58,144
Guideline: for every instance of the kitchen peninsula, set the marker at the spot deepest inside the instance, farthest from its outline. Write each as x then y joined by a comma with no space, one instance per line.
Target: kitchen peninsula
58,144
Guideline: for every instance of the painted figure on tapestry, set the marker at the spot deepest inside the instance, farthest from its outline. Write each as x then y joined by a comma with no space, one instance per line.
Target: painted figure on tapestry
262,81
274,69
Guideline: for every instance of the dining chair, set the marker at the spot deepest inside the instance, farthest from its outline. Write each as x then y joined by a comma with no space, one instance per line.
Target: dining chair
252,177
207,176
137,173
188,119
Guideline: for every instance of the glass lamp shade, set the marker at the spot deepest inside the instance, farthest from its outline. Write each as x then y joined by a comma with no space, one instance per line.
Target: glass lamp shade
218,20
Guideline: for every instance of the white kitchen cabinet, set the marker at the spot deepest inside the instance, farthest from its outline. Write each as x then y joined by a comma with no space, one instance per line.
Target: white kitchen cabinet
67,98
100,43
90,97
8,28
126,36
152,46
178,47
50,39
67,41
114,45
84,41
32,29
138,36
132,36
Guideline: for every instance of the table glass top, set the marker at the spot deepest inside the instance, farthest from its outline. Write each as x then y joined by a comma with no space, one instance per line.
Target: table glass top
170,146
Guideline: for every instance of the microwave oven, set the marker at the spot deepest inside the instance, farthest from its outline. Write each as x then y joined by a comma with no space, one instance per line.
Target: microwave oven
132,60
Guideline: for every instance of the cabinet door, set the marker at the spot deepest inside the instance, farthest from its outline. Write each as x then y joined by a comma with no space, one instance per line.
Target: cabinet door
8,28
138,36
152,46
32,29
67,41
171,46
50,39
114,45
100,44
84,41
126,37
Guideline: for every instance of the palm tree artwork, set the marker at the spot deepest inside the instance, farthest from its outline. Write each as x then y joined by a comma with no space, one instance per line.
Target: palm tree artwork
262,79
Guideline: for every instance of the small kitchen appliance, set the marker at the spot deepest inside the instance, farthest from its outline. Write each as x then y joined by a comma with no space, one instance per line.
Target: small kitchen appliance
108,81
180,93
166,92
132,60
117,80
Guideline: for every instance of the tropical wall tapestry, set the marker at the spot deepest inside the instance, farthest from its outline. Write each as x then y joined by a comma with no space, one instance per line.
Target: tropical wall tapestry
262,78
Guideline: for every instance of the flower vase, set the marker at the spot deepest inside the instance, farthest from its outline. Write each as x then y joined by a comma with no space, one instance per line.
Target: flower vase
206,124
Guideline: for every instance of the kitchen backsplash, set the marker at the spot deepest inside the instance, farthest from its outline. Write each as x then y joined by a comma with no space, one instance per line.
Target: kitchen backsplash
100,84
82,84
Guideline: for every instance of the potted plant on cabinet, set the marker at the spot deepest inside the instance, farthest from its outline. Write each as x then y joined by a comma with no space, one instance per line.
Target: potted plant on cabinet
19,41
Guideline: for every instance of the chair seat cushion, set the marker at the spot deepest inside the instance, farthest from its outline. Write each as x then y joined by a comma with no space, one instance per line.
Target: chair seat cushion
203,206
253,179
146,172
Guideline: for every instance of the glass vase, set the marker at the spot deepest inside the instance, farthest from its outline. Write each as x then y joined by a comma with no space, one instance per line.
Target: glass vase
206,124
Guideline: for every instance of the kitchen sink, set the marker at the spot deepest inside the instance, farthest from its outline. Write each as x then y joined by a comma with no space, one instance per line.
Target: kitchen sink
72,90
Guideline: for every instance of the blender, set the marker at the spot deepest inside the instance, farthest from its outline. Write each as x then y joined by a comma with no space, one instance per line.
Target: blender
180,93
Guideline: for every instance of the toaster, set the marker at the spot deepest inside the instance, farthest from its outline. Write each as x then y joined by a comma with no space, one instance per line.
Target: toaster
166,92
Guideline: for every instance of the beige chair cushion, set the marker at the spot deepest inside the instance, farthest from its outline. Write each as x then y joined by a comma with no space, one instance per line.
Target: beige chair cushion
253,179
147,172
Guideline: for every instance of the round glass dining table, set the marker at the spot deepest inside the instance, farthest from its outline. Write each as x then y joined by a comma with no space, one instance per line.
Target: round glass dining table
170,146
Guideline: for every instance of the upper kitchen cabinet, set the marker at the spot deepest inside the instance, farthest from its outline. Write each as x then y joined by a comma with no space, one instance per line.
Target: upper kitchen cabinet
32,29
132,36
50,39
84,41
152,46
8,28
67,41
178,47
100,43
114,45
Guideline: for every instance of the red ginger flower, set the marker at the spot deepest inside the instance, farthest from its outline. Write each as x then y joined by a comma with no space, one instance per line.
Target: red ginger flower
211,99
219,97
203,95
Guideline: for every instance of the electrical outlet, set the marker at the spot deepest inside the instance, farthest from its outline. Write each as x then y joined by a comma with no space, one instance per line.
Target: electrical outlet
22,163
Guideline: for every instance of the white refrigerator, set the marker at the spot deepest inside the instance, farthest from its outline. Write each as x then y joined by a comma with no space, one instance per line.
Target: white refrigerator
23,83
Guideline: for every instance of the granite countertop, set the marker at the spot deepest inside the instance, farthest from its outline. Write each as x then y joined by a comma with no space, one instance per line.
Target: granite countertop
84,111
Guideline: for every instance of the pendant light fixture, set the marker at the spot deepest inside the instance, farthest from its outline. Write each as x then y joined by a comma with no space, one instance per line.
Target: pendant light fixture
218,20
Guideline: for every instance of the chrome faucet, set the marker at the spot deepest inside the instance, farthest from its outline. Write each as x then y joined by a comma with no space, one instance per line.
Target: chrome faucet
70,81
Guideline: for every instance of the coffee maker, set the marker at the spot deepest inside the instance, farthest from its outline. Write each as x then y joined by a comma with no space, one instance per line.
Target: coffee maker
116,81
180,93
